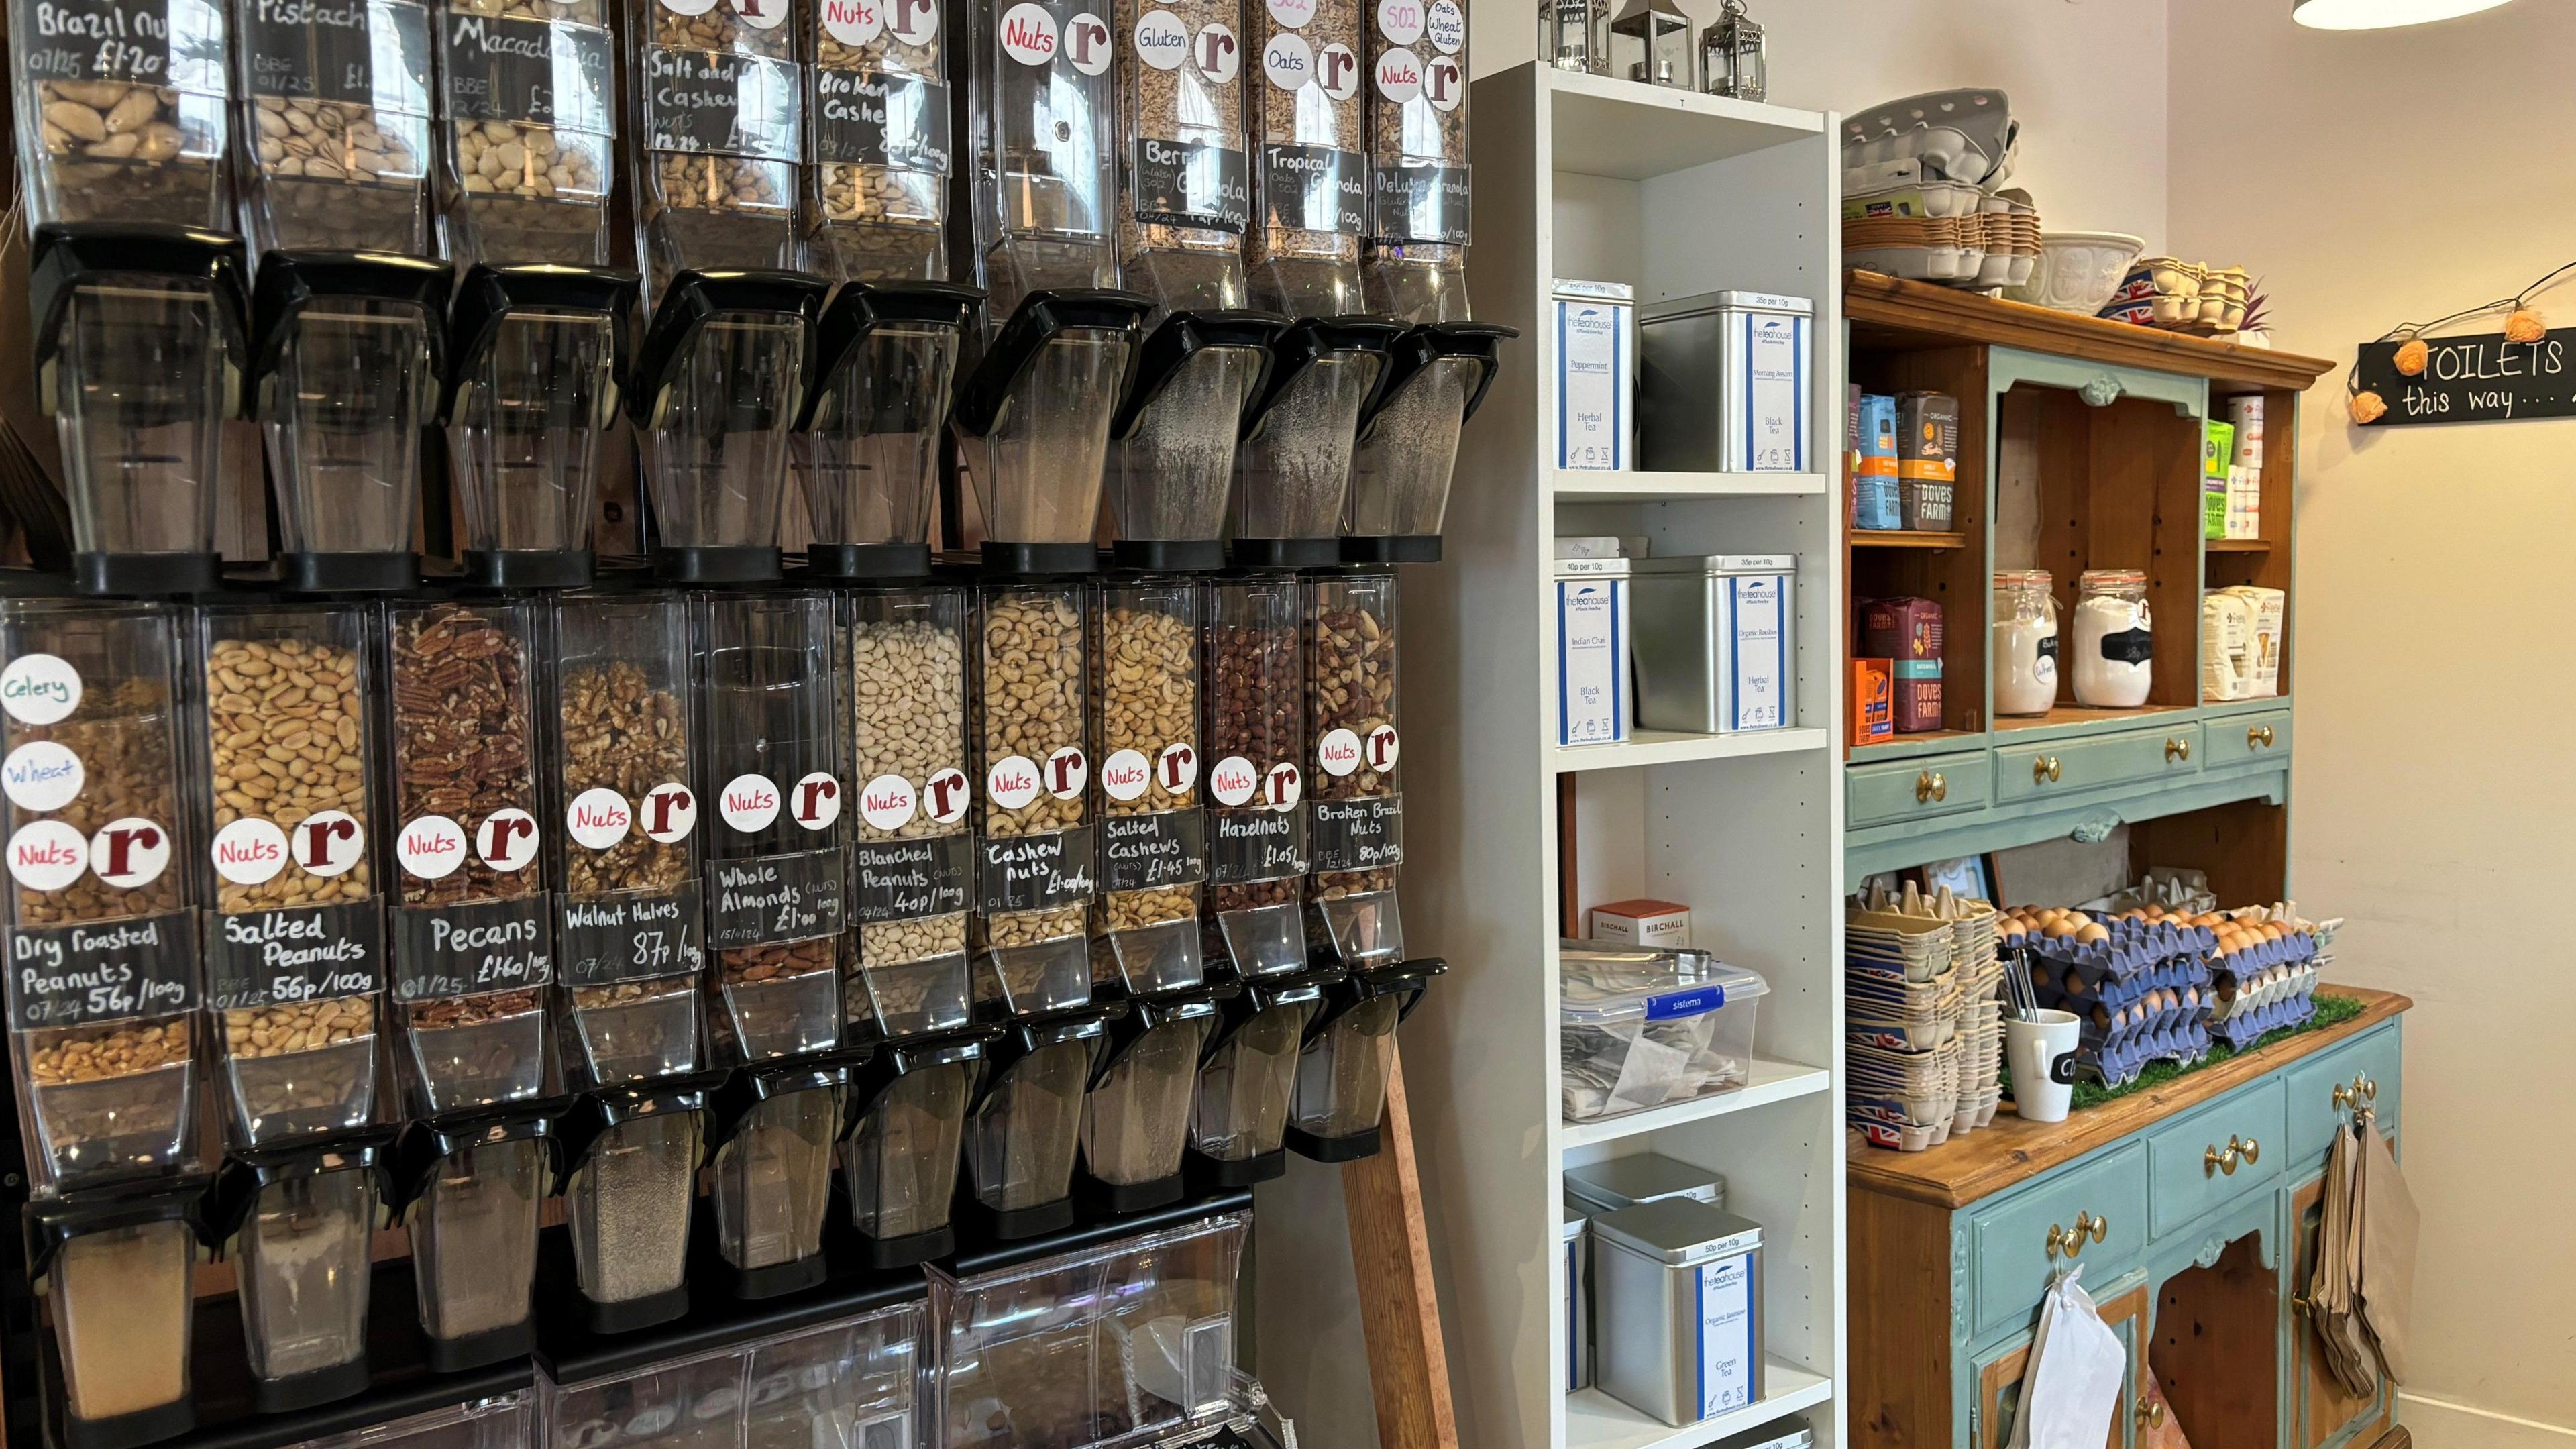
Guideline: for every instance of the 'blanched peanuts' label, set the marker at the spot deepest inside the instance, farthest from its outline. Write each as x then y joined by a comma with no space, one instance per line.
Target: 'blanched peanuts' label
1399,75
598,818
902,880
39,689
888,803
1338,752
431,848
1067,771
249,851
129,853
748,803
1126,775
817,801
1234,781
670,812
41,775
506,840
1013,782
47,855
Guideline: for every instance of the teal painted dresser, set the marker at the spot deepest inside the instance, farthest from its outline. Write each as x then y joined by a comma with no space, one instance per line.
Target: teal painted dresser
2192,1210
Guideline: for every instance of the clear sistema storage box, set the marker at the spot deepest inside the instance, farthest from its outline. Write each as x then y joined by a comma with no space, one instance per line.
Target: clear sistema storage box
1643,1027
503,1421
854,1382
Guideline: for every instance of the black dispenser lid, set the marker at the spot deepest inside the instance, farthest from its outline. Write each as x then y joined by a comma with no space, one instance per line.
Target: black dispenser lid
1307,341
1182,336
424,1144
1407,980
590,1118
860,307
489,294
51,1222
1023,1039
1415,351
63,254
237,1187
733,1103
1041,317
1144,1017
696,298
289,282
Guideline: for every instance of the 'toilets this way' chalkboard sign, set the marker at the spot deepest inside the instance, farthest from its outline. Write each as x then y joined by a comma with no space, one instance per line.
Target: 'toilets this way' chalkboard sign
2475,379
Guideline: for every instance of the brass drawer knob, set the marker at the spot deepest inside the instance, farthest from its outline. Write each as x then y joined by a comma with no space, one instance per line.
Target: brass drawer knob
2043,768
2215,1160
2252,1150
2363,1089
2177,750
2258,737
2150,1414
1929,787
2068,1243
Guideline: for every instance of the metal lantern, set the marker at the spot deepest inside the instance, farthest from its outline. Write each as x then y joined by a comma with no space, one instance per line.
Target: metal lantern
1731,59
1575,34
1662,32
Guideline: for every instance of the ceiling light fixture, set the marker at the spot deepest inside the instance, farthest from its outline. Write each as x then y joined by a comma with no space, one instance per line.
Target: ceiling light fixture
2381,14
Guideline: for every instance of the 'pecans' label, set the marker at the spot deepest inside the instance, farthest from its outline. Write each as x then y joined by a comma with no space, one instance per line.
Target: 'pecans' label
1146,852
871,118
174,43
1189,183
512,68
1419,204
1245,846
469,949
901,880
607,939
774,898
1362,834
717,101
363,52
70,975
301,953
1033,872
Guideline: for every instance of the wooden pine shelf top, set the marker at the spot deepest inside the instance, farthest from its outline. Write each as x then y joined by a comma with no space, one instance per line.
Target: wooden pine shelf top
2060,716
2237,545
1904,538
2012,1151
1888,312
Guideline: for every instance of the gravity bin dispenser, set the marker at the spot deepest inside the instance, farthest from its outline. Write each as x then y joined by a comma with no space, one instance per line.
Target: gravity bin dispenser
1435,379
867,445
1293,469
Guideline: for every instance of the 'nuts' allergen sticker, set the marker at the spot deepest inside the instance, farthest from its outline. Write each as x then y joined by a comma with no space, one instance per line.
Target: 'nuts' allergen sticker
1067,771
130,852
507,839
1126,774
688,7
1338,752
430,848
670,812
761,14
818,801
1013,782
1399,75
946,796
597,818
748,803
1234,781
888,802
329,842
39,689
1177,767
1446,23
852,22
47,855
1382,748
1028,34
41,775
1292,13
1162,40
1400,20
250,851
1288,61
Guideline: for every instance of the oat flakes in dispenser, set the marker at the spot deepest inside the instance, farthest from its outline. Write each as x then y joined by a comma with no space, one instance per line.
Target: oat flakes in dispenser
911,845
1034,866
1145,790
129,133
1417,138
1252,662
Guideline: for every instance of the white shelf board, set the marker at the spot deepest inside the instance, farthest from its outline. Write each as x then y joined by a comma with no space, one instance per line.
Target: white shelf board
1594,1420
1674,747
1576,485
1768,1082
1630,130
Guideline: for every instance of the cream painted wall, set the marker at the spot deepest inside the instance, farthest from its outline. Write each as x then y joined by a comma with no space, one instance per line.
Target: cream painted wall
2087,77
2371,179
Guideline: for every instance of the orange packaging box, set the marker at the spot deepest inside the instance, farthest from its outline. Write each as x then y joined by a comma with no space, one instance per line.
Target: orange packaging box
1873,701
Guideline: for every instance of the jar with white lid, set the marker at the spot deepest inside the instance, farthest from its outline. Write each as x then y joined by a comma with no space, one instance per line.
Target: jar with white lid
2114,649
2025,642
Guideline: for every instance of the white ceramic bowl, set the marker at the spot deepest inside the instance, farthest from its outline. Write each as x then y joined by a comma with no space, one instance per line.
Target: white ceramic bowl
2079,270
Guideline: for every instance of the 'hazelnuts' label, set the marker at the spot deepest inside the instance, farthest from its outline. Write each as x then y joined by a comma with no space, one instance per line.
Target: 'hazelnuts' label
467,950
1033,872
608,939
71,975
301,953
1362,834
903,880
1149,852
1245,846
774,898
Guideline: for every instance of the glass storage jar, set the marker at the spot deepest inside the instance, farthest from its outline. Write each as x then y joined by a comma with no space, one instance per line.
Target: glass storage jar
2114,645
2025,642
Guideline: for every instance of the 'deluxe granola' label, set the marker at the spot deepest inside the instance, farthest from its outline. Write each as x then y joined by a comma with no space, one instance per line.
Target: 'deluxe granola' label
603,940
105,971
297,954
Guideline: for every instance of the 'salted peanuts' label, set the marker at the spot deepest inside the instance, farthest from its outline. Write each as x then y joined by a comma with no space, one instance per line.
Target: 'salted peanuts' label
633,937
301,953
1033,872
873,118
466,950
1362,834
513,68
1256,845
774,898
717,101
899,880
69,975
1148,852
362,52
176,43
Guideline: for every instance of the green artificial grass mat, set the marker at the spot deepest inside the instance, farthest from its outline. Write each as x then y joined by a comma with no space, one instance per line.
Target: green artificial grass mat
2332,1011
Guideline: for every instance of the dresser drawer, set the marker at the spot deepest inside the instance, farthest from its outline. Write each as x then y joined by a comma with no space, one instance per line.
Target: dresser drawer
2073,766
2011,1238
2215,1155
2249,739
2375,1060
1917,789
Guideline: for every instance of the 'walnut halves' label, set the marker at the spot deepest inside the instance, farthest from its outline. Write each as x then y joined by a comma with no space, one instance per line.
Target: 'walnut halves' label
1149,852
1362,834
774,898
603,940
108,971
300,953
466,950
904,880
1033,872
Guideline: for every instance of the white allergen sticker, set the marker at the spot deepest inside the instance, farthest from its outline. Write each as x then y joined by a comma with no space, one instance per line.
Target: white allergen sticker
47,855
946,795
748,803
1288,61
1125,775
1013,782
1338,752
130,852
1445,21
1177,767
1218,53
817,801
1087,41
1400,20
39,689
1028,34
1292,13
249,851
41,775
914,22
670,812
598,818
1283,786
851,22
1337,70
1162,41
1234,781
888,802
1399,75
507,840
761,14
688,7
1383,747
328,843
430,848
1067,771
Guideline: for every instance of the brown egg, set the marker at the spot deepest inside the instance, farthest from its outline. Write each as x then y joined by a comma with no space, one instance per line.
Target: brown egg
2093,933
2059,930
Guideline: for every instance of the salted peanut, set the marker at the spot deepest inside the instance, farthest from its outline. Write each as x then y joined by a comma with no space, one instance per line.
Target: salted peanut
87,1054
1032,701
284,733
267,1031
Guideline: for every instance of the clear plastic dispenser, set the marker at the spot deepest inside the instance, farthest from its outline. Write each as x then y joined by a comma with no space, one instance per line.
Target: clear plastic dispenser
877,183
469,1187
907,1131
1024,1125
1253,686
1416,96
772,1183
851,1382
1112,1343
1293,469
299,1225
719,382
502,1421
1348,1057
1035,870
1197,375
346,361
866,448
116,1271
632,1157
1136,1117
333,113
527,111
912,845
141,340
1239,1115
1408,440
536,359
1145,791
716,112
1033,420
132,132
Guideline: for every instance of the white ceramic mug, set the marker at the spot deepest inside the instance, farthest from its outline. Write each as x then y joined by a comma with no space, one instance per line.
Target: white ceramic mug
2041,1052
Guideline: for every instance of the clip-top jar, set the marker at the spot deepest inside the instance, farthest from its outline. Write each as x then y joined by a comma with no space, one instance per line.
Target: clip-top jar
2025,668
2113,651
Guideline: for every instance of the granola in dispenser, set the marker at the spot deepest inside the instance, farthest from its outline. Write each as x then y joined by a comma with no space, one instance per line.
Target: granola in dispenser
1310,168
1418,182
1185,186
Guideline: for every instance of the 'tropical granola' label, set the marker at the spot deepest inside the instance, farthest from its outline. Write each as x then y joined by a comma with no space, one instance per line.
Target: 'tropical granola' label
69,975
300,953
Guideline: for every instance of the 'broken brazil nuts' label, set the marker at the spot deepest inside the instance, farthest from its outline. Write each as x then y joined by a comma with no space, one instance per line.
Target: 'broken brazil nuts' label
1362,834
774,898
873,118
467,949
301,953
1147,852
603,940
1033,872
67,975
901,880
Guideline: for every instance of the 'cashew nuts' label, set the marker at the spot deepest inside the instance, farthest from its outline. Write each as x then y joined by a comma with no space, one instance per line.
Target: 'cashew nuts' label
1245,846
608,939
872,118
40,689
774,898
174,43
1362,834
41,775
1148,852
466,950
301,953
68,975
1033,872
902,880
362,52
511,68
718,101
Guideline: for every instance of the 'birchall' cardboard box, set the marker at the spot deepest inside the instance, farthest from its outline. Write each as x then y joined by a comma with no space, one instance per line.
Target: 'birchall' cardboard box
1664,925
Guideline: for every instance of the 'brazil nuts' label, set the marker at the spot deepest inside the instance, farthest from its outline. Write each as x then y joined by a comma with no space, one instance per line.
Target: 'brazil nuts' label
511,68
603,940
1033,872
1148,852
901,880
470,949
173,43
301,953
1190,183
362,52
1419,203
773,898
1256,845
1315,188
1362,834
68,975
870,118
735,105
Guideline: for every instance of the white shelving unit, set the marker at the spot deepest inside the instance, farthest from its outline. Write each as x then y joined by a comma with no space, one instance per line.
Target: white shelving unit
1583,177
